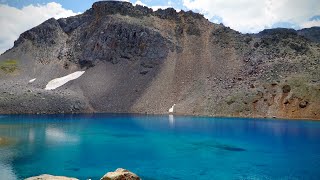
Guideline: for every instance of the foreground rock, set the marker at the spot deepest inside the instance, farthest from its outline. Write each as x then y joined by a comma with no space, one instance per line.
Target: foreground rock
50,177
120,174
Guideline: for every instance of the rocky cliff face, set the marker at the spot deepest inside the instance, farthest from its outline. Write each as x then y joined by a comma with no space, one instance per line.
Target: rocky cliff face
142,61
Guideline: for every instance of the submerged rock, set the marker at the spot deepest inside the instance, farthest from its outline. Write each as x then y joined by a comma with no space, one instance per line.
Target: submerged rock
120,174
50,177
4,141
230,148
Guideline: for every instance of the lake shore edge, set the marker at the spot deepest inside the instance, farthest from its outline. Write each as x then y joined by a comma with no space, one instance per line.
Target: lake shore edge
175,114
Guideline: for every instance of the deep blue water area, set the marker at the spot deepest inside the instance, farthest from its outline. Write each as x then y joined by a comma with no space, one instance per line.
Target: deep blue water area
158,147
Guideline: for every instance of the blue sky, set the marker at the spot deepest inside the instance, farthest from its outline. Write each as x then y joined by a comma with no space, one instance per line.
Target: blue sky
202,6
82,5
246,16
68,4
217,11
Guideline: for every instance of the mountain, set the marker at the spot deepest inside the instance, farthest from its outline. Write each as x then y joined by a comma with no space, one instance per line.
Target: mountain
312,33
131,59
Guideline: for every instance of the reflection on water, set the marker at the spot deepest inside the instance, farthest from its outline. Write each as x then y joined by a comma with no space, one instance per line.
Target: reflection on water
171,120
57,135
7,173
21,138
87,146
31,135
6,155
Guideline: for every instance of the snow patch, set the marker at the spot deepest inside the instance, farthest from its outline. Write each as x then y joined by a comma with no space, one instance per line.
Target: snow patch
172,109
55,83
32,80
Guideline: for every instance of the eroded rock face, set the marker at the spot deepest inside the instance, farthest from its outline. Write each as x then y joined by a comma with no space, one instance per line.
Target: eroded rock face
122,41
120,174
50,177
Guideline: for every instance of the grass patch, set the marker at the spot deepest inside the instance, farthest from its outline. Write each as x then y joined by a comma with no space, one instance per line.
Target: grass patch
9,66
303,90
238,102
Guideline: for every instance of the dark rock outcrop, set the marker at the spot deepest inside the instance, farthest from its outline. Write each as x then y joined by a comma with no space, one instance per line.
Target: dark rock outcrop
312,34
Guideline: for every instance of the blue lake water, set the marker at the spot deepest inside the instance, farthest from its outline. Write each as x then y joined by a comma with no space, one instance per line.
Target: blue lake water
159,147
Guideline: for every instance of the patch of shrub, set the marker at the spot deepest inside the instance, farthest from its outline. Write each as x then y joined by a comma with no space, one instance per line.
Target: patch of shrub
286,89
9,66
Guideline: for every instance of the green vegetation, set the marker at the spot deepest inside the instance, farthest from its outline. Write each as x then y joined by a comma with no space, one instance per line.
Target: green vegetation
9,66
304,90
241,101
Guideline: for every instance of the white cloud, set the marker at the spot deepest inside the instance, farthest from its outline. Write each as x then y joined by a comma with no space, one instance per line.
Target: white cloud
253,15
139,3
15,21
153,7
159,7
311,23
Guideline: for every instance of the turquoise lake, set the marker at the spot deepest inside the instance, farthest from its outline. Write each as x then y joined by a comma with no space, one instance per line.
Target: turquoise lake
158,147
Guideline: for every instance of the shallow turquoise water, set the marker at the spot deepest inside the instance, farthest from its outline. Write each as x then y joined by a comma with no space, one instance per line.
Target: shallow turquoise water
159,147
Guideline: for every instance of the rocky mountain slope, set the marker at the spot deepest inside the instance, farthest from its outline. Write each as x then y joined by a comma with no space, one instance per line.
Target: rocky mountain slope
138,60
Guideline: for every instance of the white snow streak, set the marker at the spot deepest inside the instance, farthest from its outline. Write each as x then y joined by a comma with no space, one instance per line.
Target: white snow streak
55,83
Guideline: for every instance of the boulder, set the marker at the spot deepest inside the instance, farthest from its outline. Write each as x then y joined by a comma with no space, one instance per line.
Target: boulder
286,89
303,104
50,177
120,174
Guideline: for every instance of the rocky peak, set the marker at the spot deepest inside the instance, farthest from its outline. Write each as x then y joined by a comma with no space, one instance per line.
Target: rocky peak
313,34
119,7
280,32
126,8
45,33
48,31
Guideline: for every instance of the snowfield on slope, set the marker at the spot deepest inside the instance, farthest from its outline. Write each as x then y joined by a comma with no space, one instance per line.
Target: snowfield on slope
32,80
55,83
